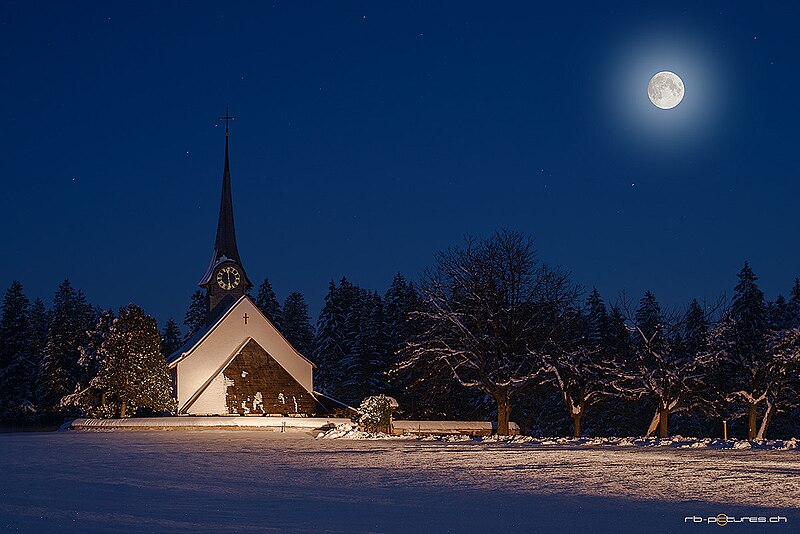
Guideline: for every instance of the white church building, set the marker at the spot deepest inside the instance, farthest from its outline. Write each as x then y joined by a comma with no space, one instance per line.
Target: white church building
239,363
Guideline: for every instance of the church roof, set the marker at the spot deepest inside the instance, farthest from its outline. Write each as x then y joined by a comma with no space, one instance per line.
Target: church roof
225,248
199,336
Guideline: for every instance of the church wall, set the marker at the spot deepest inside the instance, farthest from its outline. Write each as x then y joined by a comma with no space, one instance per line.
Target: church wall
224,340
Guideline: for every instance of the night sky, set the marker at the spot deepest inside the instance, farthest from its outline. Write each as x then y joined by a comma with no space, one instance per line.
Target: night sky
368,137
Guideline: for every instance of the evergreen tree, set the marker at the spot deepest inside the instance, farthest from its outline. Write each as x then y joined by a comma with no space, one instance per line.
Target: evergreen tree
17,364
71,318
650,320
328,341
338,327
171,337
366,365
794,304
741,374
297,327
40,324
86,398
267,302
694,335
779,314
133,375
196,313
596,319
399,304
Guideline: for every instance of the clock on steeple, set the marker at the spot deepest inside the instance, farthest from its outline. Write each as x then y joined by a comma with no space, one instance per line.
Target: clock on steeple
225,279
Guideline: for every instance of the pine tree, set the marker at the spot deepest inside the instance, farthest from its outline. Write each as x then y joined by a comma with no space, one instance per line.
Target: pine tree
619,337
40,325
17,364
171,337
85,399
297,327
738,362
328,341
400,302
694,333
71,318
365,366
779,314
596,319
794,304
267,302
649,319
133,375
196,313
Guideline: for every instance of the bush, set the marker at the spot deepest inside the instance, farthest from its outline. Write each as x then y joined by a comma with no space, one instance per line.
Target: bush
375,413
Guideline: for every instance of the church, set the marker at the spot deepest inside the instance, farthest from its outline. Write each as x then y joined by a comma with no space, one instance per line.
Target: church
239,363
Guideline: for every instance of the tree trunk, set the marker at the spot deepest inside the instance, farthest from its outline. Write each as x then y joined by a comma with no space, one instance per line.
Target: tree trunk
122,410
653,424
663,417
503,411
576,425
751,422
762,430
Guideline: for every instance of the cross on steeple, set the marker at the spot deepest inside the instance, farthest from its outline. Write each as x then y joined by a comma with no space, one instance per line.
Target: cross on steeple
227,118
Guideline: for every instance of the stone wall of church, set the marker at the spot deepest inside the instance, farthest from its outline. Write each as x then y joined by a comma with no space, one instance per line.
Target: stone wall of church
257,384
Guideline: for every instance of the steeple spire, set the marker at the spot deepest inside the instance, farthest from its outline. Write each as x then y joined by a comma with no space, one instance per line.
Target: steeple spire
225,248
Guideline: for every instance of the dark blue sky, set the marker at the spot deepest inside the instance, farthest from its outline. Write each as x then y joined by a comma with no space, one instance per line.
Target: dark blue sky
368,137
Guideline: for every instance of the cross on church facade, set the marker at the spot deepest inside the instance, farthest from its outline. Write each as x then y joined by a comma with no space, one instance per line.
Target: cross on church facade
245,317
227,118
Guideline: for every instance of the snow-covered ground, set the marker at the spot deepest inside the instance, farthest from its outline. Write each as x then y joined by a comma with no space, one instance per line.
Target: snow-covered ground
261,481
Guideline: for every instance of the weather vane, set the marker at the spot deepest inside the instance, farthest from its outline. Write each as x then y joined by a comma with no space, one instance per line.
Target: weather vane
227,118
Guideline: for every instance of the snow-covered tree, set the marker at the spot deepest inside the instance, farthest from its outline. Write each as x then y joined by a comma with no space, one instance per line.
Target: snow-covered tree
71,318
488,309
367,365
779,314
579,364
664,366
794,304
17,361
196,313
171,337
85,399
133,375
267,302
739,363
399,302
329,344
296,324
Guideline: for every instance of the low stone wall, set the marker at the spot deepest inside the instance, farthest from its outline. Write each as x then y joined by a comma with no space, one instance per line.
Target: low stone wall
275,424
467,428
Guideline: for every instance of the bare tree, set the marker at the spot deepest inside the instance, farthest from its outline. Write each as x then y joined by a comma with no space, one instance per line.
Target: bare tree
740,383
580,367
488,312
666,351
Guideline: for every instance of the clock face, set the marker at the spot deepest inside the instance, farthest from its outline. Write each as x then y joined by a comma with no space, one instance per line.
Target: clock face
228,278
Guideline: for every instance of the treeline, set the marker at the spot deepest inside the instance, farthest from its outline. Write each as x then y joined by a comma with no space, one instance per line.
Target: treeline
75,359
491,332
488,332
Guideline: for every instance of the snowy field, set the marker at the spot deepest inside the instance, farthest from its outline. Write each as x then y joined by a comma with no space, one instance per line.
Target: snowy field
262,481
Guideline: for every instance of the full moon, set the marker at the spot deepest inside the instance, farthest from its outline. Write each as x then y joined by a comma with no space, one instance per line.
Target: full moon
665,90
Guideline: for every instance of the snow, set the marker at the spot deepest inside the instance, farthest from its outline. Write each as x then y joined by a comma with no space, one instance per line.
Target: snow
256,481
349,431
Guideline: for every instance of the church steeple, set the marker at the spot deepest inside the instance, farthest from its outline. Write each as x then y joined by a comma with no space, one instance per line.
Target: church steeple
225,278
225,243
